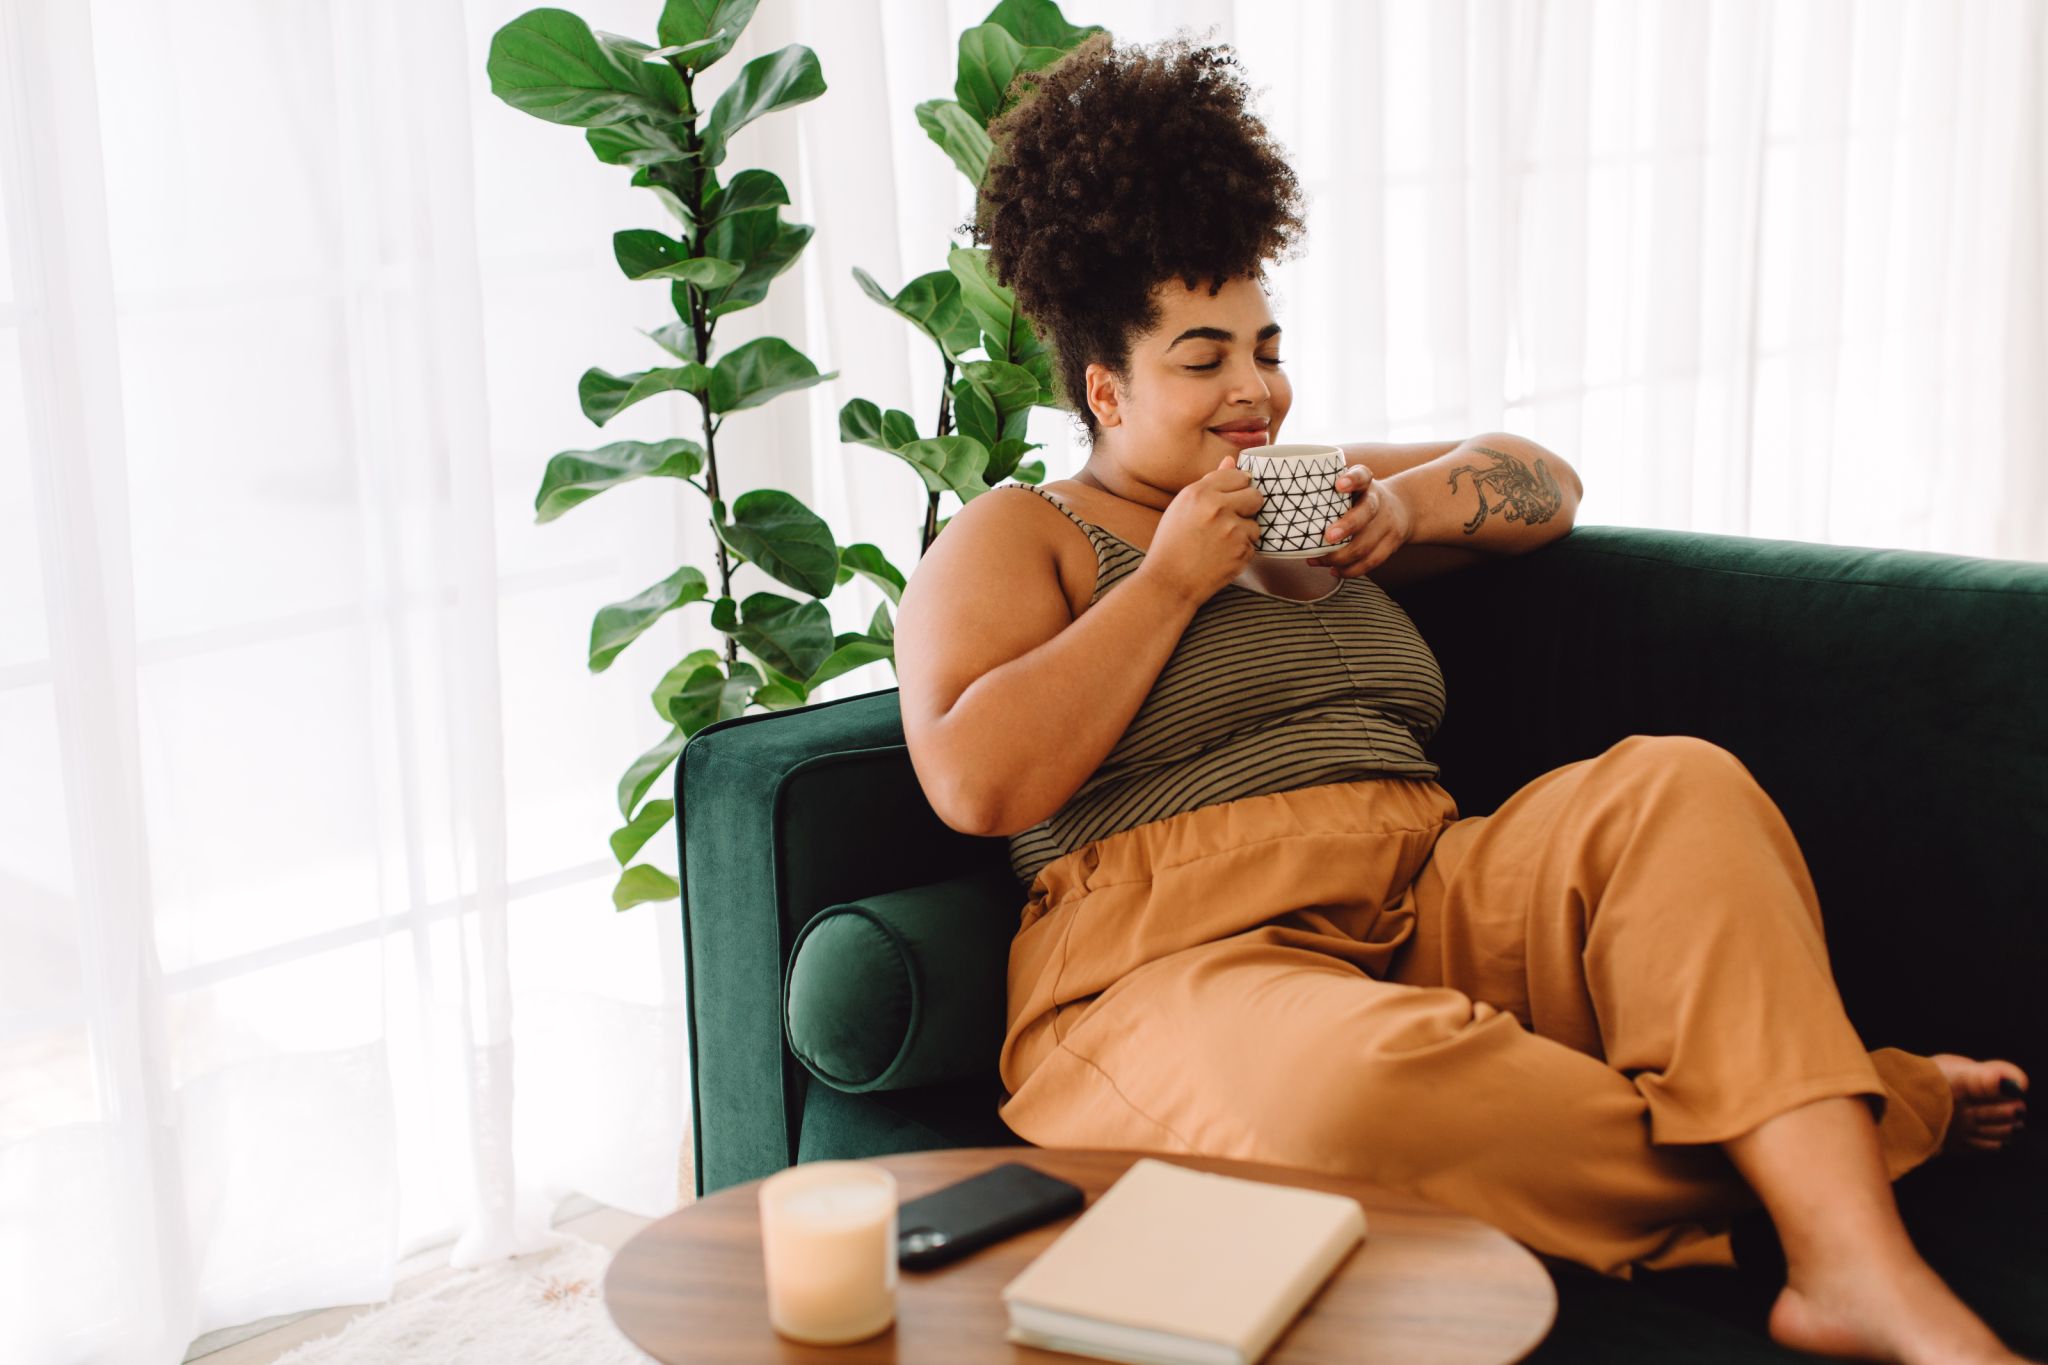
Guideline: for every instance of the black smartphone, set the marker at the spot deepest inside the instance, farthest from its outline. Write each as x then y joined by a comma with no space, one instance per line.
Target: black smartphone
979,1211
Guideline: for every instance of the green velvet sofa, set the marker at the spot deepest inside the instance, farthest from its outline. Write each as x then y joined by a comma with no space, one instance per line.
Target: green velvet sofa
1893,703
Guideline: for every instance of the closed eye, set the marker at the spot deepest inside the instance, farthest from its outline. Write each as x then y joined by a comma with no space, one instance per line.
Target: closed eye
1263,360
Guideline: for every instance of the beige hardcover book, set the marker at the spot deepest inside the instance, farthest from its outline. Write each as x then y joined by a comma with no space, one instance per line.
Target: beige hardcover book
1174,1266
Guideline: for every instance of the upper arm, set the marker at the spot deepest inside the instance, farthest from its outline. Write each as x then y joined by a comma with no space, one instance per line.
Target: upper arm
1385,459
987,591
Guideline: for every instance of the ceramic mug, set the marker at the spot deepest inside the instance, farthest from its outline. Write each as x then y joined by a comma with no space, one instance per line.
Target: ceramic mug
1299,482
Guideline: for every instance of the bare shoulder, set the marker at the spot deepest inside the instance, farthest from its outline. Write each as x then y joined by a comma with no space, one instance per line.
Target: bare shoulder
988,591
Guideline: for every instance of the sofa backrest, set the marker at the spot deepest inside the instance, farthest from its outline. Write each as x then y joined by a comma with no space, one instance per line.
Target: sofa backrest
1889,701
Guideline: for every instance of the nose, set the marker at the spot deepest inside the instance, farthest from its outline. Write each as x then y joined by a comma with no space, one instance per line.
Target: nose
1248,385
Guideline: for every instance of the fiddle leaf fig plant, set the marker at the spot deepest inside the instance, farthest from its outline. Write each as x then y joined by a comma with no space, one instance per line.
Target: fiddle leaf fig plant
641,108
995,368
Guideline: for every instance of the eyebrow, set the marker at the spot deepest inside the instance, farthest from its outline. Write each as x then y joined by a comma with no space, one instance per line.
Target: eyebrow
1271,329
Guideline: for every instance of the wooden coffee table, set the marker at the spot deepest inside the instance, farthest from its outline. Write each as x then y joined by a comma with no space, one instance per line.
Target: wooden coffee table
1427,1286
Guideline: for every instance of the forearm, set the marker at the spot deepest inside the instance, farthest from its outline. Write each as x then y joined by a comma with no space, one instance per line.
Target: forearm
1495,492
1025,736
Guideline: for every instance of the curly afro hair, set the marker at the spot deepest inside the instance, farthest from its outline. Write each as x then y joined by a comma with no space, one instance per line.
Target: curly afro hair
1117,170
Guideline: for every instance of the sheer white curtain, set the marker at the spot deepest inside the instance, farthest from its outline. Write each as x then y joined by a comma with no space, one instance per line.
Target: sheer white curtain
307,959
1759,267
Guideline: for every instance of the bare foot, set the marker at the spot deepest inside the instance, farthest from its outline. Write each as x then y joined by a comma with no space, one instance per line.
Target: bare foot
1986,1117
1884,1307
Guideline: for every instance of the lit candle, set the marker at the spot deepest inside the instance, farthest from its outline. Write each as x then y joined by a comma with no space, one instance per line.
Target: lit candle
828,1235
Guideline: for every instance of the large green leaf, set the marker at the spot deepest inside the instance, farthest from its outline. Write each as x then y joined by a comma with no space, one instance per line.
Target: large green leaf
1037,358
764,244
631,837
862,423
707,695
641,883
678,338
1003,461
992,401
576,476
880,626
850,651
949,464
974,413
780,693
549,64
750,192
620,624
870,563
650,765
671,684
651,178
932,302
783,538
644,254
993,307
790,637
958,135
662,77
764,368
688,23
1038,23
989,58
776,81
605,395
1012,388
636,142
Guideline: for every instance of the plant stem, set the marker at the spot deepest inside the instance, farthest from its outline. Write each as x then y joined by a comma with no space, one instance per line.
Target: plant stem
700,328
931,503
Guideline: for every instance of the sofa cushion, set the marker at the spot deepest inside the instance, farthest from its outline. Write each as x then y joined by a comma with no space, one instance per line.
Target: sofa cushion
891,992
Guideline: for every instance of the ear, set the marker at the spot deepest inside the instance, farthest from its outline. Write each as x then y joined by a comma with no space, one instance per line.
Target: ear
1104,394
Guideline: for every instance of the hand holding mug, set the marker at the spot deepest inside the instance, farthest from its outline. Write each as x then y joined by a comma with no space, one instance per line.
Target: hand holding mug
1208,533
1379,523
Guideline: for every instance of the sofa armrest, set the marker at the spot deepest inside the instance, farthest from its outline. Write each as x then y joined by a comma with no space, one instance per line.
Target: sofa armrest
893,991
779,815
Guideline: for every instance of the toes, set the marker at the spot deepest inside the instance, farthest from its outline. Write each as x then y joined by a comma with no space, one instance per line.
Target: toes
1995,1111
1977,1082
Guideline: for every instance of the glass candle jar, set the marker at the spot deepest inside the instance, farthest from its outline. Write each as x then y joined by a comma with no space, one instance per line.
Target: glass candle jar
828,1237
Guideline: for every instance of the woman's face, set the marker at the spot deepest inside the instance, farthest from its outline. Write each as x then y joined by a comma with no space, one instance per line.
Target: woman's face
1210,362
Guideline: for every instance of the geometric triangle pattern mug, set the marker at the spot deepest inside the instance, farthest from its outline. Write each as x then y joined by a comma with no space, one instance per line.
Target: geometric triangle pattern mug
1298,483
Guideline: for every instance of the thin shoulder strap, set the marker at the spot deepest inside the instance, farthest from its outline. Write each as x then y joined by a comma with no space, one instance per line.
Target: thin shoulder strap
1054,499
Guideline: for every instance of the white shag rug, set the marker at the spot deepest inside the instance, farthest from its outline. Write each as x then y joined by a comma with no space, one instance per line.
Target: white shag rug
541,1310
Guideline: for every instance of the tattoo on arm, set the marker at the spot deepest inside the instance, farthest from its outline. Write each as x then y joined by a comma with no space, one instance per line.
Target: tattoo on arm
1526,496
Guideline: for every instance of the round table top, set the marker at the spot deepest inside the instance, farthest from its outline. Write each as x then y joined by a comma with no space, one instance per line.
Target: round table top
1426,1287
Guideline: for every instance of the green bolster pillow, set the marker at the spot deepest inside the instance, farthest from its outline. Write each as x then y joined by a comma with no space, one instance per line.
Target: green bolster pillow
905,988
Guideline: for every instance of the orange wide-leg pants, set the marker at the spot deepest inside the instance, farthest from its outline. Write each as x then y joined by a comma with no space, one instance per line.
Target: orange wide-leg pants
1547,1017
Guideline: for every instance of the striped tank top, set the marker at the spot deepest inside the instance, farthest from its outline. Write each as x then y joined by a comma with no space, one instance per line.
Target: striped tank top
1261,694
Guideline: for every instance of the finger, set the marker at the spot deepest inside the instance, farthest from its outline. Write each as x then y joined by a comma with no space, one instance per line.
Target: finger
1355,522
1353,479
1365,553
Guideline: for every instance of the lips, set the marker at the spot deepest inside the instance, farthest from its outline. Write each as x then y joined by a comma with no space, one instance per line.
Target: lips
1247,425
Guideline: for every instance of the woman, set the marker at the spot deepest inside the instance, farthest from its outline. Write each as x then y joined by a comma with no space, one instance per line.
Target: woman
1600,1018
